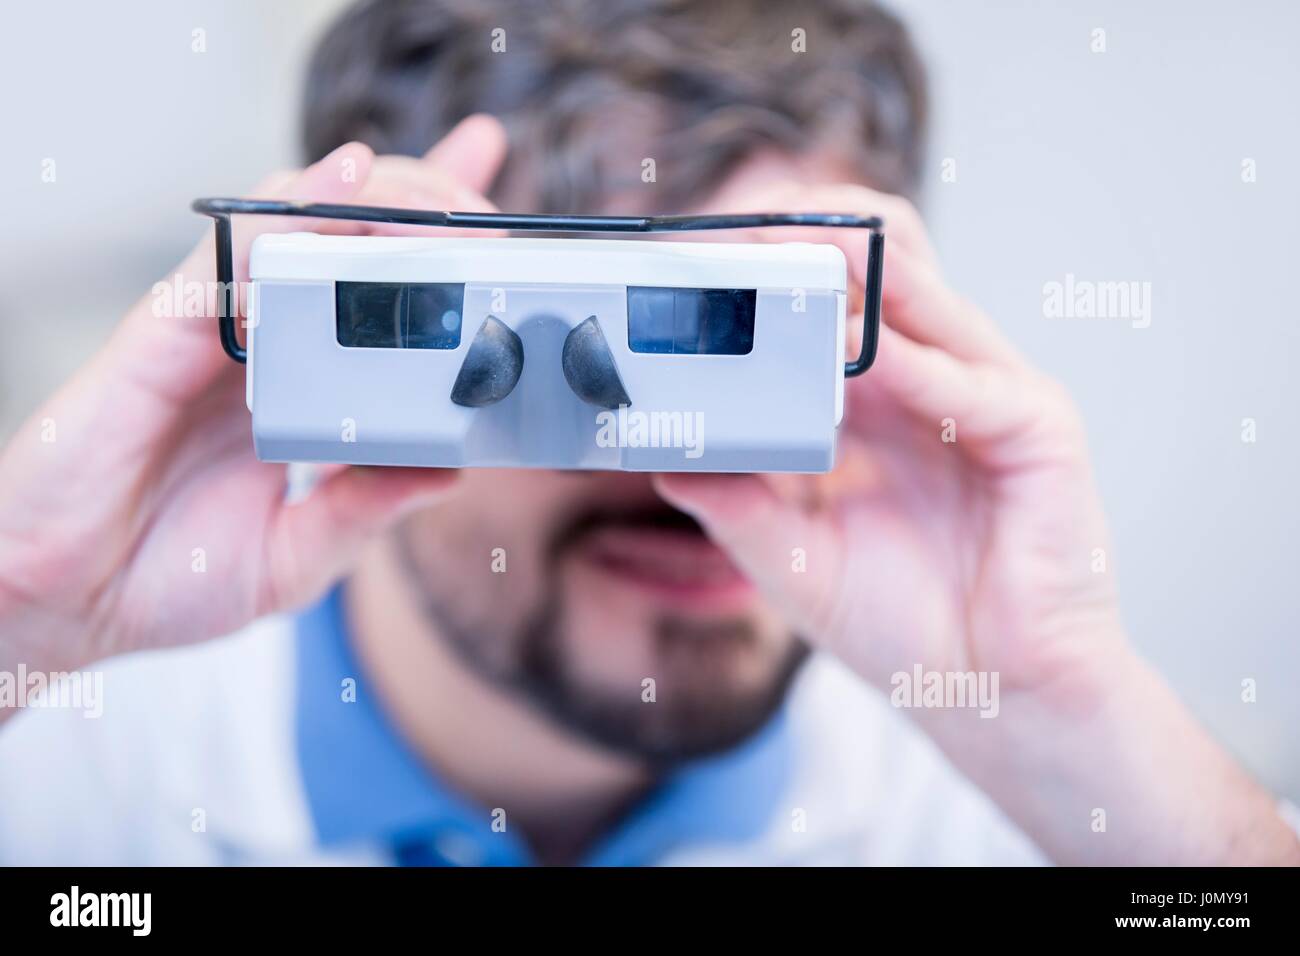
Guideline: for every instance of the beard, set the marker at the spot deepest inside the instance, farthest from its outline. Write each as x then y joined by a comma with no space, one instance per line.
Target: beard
694,709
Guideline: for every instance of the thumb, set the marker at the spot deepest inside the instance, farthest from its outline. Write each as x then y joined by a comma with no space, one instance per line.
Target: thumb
314,541
794,556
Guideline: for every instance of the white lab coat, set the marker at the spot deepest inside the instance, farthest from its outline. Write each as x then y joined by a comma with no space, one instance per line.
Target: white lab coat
193,762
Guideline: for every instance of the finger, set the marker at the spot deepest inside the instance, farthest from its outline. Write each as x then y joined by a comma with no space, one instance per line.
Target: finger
335,178
472,153
313,541
421,185
274,185
404,183
771,539
917,302
999,415
915,296
903,224
933,385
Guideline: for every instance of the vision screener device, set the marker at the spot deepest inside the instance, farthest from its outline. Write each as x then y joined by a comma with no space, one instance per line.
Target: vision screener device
614,354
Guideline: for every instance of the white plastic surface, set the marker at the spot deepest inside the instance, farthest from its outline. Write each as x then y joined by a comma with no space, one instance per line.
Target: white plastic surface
310,257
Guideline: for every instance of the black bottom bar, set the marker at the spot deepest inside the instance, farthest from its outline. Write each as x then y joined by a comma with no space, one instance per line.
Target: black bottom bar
930,906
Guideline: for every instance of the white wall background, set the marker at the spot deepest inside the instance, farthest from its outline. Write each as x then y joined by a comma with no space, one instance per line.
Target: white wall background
1122,165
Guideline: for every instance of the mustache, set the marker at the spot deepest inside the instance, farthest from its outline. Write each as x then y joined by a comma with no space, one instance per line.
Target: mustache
659,516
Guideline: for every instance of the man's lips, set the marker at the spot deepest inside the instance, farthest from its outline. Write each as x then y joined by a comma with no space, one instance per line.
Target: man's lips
676,564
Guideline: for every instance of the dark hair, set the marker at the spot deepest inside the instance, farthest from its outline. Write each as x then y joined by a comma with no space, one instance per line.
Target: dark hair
587,90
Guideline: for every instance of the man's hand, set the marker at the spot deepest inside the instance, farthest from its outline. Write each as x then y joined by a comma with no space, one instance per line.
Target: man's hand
135,513
962,532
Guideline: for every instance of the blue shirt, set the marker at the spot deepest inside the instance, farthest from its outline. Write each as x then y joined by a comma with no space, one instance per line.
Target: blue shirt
365,785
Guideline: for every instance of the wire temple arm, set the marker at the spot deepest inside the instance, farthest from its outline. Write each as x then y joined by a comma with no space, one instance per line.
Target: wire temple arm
220,210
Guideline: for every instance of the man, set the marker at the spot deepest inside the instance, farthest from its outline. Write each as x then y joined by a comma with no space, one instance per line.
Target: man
633,684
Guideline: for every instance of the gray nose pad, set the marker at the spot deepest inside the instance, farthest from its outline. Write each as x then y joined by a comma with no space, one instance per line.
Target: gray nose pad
589,366
492,366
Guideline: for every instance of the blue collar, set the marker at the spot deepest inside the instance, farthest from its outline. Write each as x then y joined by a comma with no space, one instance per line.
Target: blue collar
364,784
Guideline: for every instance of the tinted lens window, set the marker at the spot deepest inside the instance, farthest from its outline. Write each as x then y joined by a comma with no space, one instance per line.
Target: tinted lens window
398,315
690,321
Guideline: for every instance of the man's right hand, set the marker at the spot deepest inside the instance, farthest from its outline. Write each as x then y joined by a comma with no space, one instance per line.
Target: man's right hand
133,513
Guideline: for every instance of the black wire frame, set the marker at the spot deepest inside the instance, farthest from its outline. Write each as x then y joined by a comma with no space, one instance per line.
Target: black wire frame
220,210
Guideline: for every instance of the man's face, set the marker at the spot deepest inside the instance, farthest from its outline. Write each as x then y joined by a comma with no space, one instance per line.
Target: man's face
590,596
575,588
